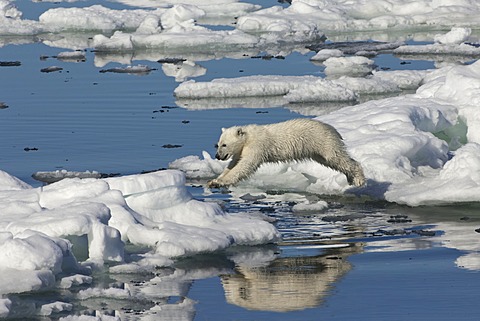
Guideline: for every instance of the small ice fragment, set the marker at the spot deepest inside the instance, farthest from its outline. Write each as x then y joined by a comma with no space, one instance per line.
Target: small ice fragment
51,69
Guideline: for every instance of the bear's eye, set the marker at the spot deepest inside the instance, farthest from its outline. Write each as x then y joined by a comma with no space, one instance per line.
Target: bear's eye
224,145
216,145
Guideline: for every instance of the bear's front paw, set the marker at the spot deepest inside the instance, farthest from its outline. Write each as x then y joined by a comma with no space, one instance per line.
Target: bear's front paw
215,183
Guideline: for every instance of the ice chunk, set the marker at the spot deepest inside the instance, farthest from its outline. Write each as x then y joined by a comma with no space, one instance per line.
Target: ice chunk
98,215
51,177
10,182
352,66
55,307
319,206
194,167
95,17
77,279
456,36
9,10
296,89
457,181
324,54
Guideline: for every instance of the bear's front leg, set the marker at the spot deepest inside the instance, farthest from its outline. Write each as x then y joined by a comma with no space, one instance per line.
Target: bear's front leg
215,183
233,175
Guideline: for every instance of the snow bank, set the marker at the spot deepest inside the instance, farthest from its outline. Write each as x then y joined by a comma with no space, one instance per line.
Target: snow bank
418,149
43,231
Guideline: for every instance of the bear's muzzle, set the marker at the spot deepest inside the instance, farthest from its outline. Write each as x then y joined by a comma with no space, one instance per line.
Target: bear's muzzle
217,156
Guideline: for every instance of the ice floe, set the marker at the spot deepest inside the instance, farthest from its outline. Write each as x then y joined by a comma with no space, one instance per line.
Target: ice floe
304,19
345,85
46,231
350,66
324,54
453,42
184,24
414,148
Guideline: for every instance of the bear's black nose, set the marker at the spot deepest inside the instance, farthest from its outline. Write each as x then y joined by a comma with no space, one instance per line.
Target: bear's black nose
217,156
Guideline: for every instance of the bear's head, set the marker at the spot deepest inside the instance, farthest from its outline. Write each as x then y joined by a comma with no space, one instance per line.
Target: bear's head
231,142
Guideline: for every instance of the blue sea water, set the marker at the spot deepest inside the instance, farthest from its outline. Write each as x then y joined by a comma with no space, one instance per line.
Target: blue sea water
81,119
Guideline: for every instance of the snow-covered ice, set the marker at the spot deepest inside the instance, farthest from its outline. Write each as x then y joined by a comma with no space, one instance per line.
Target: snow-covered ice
45,230
454,42
305,19
353,66
345,84
176,24
324,54
412,147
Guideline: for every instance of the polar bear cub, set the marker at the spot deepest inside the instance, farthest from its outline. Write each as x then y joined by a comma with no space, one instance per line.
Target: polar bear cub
294,140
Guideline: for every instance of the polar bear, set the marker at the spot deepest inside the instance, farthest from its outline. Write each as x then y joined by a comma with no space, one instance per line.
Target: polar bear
293,140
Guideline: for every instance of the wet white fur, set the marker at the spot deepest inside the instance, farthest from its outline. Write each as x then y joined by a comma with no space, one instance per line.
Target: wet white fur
299,139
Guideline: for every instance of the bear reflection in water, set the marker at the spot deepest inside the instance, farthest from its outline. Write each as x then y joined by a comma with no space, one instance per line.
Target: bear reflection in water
288,283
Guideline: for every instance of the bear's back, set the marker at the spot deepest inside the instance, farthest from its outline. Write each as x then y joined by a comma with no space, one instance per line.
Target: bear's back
295,139
305,127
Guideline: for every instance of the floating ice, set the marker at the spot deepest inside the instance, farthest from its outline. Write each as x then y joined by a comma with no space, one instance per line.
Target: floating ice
95,17
305,18
414,148
194,167
296,89
183,70
212,8
9,10
139,70
350,66
319,206
176,24
324,54
243,86
10,182
44,231
183,35
455,37
71,56
353,47
55,307
175,27
74,280
51,177
451,43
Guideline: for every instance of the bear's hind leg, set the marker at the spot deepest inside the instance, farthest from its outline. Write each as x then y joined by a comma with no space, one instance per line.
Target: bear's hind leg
345,164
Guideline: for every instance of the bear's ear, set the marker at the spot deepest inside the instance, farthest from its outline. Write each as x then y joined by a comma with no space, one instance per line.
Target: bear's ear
240,132
223,129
